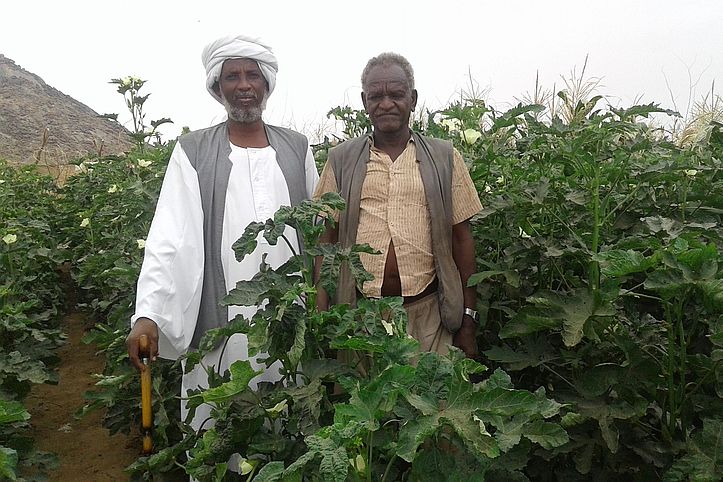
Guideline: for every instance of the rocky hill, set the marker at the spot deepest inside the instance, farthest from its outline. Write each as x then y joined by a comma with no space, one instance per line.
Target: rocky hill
38,123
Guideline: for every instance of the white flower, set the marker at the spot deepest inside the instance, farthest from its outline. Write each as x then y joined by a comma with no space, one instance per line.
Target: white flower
451,125
113,189
388,327
488,188
690,172
10,238
2,181
144,163
85,222
245,467
524,234
277,408
141,243
500,180
471,136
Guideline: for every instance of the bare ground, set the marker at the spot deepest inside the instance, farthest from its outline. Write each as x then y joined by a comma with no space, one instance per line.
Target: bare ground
85,450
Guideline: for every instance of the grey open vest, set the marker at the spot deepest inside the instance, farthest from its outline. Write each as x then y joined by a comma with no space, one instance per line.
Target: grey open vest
349,162
208,151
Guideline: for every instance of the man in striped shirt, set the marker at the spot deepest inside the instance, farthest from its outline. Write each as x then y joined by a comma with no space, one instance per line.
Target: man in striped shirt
410,197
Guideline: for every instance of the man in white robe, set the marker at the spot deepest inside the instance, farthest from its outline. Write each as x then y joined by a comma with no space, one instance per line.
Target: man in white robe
218,181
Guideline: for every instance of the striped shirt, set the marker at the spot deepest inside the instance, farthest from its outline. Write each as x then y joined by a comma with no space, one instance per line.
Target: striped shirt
394,209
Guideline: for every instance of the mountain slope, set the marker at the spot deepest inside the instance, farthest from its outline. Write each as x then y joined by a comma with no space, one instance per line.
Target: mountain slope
38,122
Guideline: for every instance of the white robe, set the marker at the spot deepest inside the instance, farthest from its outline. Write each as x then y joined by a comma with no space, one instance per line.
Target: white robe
171,278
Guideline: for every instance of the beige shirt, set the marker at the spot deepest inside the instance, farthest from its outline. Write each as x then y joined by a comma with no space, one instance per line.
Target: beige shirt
394,208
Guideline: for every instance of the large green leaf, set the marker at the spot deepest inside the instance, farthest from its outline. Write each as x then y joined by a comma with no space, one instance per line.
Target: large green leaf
11,411
8,463
246,244
548,435
713,294
241,375
306,406
370,402
334,459
570,310
459,410
617,263
271,472
528,321
703,460
334,465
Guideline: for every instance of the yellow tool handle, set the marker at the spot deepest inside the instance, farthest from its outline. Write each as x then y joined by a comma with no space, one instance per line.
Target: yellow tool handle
146,411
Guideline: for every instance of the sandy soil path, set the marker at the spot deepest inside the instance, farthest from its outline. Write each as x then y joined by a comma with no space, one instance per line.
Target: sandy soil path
85,450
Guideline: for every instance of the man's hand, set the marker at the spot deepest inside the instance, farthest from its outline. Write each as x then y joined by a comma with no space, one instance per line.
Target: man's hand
466,337
143,326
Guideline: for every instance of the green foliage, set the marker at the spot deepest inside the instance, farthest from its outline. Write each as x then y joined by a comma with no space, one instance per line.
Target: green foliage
391,406
104,213
599,243
600,286
31,301
129,87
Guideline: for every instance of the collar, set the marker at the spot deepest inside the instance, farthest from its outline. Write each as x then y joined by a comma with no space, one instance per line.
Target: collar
370,138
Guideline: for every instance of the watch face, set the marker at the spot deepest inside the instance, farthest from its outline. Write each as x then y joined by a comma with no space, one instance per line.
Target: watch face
471,313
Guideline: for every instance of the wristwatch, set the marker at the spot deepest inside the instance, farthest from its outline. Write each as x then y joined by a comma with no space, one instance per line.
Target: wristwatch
472,314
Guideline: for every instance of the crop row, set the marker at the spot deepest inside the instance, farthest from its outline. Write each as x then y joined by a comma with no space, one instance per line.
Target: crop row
600,281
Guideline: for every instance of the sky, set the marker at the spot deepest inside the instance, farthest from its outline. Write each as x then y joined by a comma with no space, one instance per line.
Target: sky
664,51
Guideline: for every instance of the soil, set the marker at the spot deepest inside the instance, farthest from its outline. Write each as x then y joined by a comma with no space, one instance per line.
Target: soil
85,450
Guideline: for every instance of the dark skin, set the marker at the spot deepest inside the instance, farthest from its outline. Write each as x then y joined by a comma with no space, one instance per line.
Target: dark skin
389,102
242,83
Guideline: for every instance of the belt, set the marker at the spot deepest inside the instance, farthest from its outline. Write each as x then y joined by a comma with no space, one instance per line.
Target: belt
431,288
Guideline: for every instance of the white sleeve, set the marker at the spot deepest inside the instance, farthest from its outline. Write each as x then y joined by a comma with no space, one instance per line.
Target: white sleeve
171,278
312,175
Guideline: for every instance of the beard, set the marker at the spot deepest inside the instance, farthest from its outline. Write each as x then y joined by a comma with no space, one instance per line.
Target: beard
245,115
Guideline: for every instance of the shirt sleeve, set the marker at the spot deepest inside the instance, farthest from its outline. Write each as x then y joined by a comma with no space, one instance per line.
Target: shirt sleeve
171,277
465,200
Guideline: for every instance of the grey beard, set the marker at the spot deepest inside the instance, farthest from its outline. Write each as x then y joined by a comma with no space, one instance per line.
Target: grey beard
243,115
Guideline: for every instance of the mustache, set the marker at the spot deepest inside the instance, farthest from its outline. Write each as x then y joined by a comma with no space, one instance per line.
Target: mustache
250,95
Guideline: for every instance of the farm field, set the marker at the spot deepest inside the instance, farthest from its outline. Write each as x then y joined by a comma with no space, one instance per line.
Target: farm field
599,280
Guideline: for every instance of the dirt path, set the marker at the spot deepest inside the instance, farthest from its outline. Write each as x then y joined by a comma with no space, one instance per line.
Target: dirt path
85,450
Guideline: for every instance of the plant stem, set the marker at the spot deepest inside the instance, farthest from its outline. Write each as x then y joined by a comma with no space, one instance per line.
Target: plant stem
560,376
682,359
594,271
369,458
671,373
288,243
389,466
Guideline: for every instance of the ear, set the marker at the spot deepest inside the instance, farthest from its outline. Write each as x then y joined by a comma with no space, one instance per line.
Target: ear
414,99
364,100
216,88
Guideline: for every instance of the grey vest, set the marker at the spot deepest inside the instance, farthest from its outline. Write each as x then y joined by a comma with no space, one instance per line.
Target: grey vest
349,161
208,151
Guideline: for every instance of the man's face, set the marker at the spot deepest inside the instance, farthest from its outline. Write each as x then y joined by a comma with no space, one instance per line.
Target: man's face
388,99
243,90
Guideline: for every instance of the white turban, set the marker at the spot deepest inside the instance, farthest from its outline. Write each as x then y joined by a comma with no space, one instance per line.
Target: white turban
238,47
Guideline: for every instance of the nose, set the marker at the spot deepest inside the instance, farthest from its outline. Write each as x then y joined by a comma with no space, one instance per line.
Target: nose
243,83
386,103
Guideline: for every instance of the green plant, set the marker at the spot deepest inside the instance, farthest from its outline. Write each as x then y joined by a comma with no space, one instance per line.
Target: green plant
395,409
31,300
129,87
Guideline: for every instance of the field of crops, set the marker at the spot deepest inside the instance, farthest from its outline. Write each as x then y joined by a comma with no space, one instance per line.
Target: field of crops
599,279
